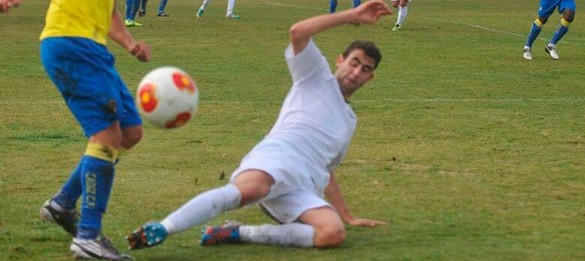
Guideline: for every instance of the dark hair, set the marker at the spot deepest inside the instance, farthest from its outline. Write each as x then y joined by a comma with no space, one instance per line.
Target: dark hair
368,47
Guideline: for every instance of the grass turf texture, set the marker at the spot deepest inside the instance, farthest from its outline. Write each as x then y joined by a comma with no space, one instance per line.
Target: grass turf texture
468,151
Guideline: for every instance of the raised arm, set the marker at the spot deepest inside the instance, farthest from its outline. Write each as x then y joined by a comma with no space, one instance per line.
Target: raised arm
120,35
367,13
333,194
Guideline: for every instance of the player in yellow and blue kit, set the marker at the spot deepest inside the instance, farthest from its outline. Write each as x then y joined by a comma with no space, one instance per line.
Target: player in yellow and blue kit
74,55
565,7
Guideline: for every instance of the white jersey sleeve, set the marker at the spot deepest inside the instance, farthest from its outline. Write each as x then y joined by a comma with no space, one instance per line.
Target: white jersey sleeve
305,64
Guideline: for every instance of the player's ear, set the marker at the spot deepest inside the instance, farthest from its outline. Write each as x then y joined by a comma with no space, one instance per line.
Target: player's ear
339,60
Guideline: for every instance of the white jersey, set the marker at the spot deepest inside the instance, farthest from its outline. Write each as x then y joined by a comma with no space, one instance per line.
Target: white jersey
313,130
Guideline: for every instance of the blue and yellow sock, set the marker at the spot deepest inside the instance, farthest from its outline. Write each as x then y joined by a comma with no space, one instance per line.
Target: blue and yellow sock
561,31
332,6
97,177
121,152
534,31
71,190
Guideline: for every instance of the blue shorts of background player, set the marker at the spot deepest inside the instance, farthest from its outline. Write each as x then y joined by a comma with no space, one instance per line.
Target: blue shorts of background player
547,7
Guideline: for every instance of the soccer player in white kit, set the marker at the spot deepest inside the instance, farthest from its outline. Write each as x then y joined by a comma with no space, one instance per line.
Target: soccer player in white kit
292,168
402,6
229,11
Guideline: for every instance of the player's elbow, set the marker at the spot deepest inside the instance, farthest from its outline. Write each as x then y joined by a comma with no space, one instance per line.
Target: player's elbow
295,32
299,37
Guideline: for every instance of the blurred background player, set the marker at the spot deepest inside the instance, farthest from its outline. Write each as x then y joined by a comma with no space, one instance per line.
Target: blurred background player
565,7
142,11
402,6
7,4
75,57
229,12
292,169
333,5
161,8
132,7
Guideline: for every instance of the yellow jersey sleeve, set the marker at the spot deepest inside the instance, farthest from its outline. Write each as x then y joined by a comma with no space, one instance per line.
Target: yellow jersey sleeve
79,18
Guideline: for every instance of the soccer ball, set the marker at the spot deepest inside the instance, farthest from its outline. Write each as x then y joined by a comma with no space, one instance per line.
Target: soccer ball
167,97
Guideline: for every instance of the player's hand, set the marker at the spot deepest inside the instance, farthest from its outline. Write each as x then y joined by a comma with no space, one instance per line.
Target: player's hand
369,12
140,50
7,4
364,222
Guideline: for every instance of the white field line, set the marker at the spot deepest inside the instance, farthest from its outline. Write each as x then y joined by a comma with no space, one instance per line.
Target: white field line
451,22
297,6
508,33
485,28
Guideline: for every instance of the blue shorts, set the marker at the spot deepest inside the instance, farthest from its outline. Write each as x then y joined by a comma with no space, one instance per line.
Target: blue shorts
547,7
84,73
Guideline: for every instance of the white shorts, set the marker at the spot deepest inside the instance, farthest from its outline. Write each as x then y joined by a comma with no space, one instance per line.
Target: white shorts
294,191
289,207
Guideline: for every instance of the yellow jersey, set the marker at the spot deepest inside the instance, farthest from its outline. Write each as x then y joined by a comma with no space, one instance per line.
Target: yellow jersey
79,18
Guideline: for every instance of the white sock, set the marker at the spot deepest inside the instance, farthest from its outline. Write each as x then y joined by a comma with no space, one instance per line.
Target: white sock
205,4
294,234
230,7
203,207
402,13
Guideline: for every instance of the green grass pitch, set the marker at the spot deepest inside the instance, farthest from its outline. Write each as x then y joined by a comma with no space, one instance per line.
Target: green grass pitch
468,151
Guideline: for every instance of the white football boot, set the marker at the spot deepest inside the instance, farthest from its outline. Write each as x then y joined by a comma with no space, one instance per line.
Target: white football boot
99,248
551,49
527,53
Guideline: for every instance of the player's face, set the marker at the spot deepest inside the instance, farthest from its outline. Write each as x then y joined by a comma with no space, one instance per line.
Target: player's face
354,71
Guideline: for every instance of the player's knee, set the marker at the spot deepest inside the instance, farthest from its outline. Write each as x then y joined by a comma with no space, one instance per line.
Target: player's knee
543,20
253,185
132,136
328,237
569,15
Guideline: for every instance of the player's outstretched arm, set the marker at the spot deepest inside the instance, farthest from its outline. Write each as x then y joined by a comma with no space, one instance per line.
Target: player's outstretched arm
367,13
7,4
120,35
333,193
